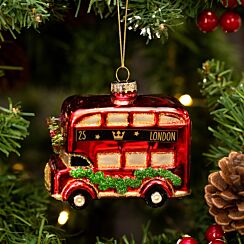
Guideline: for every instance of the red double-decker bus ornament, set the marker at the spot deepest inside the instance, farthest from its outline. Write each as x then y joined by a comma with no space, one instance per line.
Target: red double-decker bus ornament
119,145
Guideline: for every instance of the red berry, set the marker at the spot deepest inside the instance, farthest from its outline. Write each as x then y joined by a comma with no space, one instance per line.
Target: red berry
214,232
217,241
52,133
207,21
242,3
230,21
229,3
187,240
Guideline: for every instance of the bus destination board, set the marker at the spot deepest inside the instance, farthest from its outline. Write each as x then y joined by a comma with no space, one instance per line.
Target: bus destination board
163,136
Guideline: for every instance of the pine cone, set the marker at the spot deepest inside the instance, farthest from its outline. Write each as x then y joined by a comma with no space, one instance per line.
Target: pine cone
225,193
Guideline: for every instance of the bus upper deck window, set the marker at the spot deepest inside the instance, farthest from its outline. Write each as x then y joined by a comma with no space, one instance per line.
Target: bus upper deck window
169,119
117,119
90,121
143,119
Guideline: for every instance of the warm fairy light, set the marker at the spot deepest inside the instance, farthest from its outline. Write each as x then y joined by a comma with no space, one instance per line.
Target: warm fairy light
63,217
186,100
38,18
162,27
18,167
15,110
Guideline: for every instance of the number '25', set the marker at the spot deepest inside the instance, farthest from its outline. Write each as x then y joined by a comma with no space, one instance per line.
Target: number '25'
81,135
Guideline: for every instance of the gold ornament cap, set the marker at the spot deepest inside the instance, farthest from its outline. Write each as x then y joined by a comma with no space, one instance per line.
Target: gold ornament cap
123,87
123,92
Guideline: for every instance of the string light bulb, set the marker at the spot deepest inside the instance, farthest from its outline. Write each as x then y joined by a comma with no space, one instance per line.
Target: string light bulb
38,18
18,167
63,217
186,100
162,27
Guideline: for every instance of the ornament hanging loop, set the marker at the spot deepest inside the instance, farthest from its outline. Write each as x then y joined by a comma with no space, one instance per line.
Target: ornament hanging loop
123,91
122,43
127,74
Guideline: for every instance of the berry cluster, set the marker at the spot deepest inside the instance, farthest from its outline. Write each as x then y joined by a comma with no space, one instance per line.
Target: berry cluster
214,235
229,21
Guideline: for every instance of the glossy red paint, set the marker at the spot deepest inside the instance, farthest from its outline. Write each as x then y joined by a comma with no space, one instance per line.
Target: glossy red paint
74,185
207,21
165,185
230,21
214,232
187,240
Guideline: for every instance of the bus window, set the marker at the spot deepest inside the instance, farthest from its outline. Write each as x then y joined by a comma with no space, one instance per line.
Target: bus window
169,119
135,160
162,159
79,161
108,160
117,119
90,121
143,119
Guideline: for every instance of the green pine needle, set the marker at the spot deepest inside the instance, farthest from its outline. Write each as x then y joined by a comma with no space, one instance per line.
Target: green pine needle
13,128
167,237
225,100
18,15
152,18
22,211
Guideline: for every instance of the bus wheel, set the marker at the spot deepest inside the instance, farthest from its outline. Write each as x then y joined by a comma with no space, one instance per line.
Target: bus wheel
79,199
155,197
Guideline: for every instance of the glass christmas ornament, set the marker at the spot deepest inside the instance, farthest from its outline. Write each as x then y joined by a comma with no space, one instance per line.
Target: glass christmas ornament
187,240
207,21
229,3
214,232
119,145
230,21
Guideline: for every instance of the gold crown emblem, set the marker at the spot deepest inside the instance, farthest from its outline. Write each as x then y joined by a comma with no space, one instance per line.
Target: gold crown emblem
118,135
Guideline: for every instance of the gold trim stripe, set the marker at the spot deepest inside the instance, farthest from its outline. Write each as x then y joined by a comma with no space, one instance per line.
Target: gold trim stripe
181,193
115,194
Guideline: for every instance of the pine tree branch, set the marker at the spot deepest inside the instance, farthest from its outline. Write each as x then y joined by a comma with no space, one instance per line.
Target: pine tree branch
22,211
167,237
152,18
156,19
13,128
216,81
225,101
18,15
15,15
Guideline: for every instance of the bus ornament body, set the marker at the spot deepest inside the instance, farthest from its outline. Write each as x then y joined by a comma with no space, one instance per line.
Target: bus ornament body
139,148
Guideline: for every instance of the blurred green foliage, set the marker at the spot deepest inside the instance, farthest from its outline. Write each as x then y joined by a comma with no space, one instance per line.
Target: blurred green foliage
23,207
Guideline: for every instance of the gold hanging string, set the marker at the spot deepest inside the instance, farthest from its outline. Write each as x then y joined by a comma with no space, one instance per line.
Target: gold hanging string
122,46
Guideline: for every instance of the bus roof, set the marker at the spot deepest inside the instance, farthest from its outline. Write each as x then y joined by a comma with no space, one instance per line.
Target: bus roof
76,102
